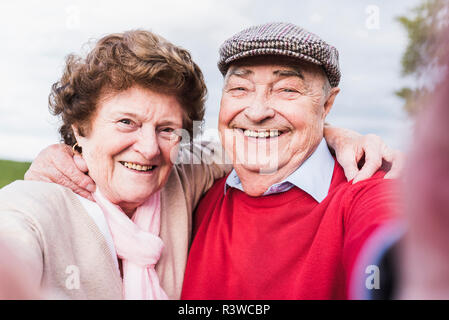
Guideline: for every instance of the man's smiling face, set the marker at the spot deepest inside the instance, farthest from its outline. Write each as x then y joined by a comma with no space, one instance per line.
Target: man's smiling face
272,115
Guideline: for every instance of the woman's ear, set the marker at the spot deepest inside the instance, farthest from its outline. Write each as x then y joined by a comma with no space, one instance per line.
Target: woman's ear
78,156
79,138
75,131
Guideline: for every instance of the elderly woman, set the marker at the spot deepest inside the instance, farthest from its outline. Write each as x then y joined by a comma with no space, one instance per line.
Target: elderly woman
121,109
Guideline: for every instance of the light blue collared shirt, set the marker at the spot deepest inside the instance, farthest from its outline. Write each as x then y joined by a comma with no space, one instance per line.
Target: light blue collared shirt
313,176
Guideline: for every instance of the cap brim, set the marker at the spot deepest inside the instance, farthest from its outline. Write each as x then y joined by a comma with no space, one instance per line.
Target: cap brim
224,65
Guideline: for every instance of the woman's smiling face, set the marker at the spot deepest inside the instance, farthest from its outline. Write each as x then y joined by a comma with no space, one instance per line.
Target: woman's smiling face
130,144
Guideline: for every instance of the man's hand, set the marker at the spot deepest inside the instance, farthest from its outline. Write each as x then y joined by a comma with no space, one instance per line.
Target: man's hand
58,164
351,146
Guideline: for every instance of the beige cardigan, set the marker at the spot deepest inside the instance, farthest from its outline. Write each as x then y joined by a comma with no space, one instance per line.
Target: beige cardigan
48,228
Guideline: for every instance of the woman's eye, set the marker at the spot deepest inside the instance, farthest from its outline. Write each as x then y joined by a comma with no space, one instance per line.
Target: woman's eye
169,133
289,90
125,121
127,124
238,91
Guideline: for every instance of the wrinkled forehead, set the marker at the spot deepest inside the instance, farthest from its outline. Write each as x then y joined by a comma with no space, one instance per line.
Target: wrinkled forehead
277,64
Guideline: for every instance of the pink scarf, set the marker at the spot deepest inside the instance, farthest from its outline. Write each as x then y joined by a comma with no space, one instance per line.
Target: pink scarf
138,245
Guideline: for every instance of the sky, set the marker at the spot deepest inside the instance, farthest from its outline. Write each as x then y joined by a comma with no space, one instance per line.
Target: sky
37,35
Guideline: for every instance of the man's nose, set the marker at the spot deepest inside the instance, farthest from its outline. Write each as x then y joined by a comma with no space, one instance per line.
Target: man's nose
147,144
259,108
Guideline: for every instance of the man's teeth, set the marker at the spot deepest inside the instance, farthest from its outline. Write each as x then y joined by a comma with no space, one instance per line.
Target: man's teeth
261,134
137,167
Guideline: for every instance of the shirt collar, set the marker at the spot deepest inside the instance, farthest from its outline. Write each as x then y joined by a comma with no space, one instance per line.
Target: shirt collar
314,176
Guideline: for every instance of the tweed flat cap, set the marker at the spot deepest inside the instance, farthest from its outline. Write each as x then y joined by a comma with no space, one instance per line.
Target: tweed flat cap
283,39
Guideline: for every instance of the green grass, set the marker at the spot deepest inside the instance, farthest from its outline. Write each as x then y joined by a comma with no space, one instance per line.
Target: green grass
12,170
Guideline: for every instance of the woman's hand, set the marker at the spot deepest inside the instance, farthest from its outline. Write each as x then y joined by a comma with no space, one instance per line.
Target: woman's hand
58,164
351,146
15,279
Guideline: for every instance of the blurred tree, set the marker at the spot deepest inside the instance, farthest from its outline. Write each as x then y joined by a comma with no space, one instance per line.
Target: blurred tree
423,56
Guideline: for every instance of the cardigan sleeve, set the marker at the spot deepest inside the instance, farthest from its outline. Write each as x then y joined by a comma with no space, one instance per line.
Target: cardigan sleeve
21,238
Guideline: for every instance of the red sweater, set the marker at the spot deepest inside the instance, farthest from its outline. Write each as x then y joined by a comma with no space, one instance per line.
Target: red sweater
285,245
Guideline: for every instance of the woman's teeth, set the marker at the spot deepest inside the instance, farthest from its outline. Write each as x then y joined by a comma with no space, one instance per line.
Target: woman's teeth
137,167
262,134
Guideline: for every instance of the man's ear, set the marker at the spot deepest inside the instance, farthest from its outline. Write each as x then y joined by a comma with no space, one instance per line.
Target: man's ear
330,101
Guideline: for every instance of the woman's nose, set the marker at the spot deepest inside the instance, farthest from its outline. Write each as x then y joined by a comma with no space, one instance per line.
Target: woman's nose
259,109
148,144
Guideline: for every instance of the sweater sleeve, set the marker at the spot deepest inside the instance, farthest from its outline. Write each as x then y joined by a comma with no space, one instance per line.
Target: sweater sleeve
372,206
21,239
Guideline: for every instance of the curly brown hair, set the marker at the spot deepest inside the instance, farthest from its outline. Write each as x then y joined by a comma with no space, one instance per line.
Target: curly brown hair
118,62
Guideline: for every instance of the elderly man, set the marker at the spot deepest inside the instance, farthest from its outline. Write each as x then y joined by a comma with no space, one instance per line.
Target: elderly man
285,224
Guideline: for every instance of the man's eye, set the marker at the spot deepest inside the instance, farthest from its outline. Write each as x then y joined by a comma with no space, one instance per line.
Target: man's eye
238,89
168,130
